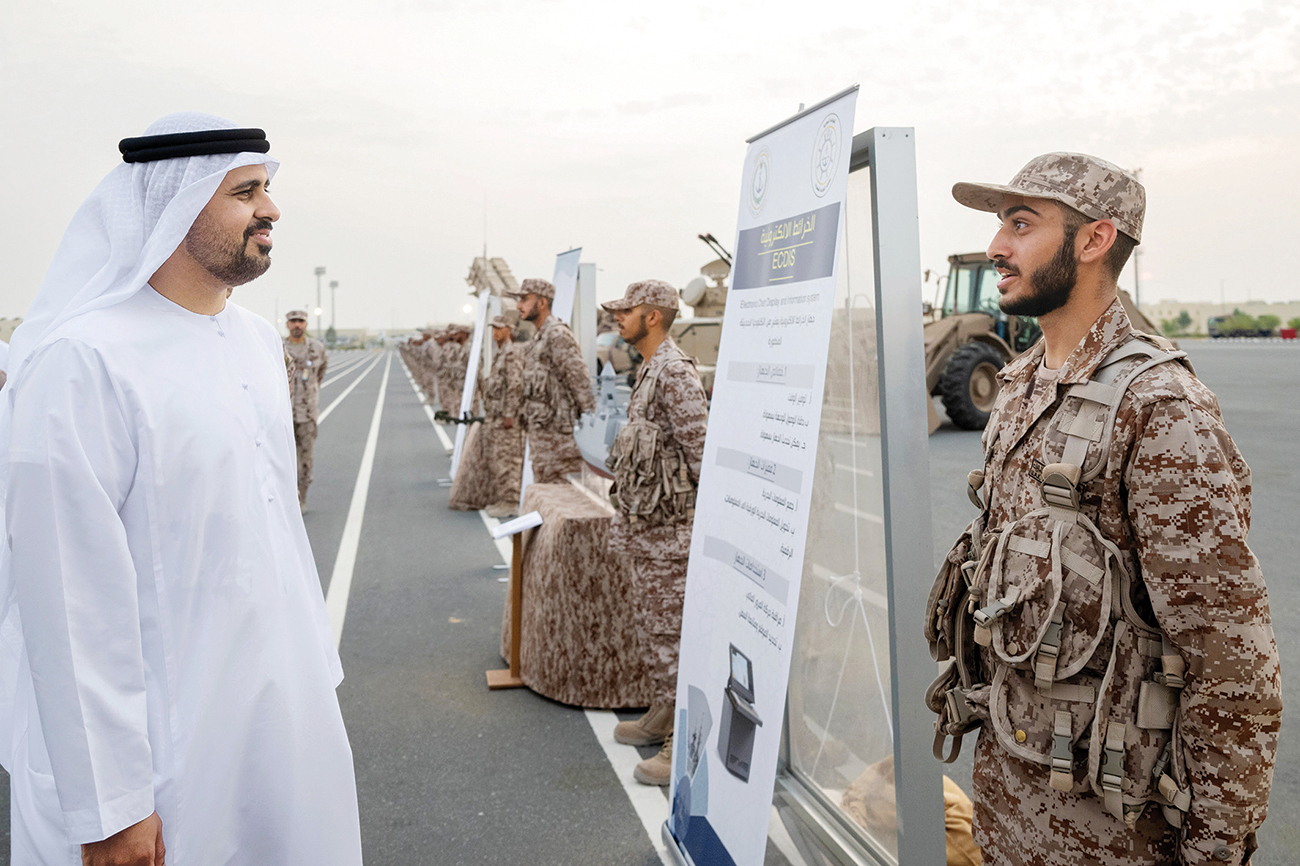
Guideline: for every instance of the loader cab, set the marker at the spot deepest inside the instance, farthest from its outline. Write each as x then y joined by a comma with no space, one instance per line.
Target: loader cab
973,288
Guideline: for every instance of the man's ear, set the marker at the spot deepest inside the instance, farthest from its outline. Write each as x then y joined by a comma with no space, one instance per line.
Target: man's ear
1096,238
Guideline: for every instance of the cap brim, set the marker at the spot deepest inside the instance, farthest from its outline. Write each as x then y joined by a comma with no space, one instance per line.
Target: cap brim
983,196
620,304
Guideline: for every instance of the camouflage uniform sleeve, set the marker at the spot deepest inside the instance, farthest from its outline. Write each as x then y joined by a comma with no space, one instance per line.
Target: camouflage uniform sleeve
681,397
566,358
1189,505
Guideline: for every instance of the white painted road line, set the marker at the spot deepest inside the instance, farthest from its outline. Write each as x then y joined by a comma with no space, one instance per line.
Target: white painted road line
336,600
649,802
428,411
348,390
343,369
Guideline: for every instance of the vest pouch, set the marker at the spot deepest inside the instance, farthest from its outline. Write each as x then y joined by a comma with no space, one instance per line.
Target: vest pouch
1136,723
949,583
1046,727
1051,585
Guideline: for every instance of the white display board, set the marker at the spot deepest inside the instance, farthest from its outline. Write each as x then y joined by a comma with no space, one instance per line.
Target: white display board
471,378
751,519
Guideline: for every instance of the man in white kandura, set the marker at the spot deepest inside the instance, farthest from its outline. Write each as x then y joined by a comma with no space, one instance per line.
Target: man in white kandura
170,681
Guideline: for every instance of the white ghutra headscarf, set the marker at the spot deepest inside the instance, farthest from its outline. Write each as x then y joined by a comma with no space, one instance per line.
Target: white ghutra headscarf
119,237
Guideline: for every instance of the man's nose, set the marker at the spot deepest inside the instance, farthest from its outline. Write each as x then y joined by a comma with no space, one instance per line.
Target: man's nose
267,209
998,248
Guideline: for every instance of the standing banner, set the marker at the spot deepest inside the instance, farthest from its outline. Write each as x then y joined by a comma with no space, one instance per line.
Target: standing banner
471,378
565,280
751,515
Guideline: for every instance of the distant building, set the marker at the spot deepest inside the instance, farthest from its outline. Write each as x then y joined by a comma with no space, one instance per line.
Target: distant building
1202,311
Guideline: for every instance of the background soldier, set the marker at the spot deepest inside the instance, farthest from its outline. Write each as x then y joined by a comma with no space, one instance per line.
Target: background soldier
309,361
503,397
557,386
1135,729
656,502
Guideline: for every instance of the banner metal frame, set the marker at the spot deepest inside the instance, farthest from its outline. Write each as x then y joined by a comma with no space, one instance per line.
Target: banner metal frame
889,153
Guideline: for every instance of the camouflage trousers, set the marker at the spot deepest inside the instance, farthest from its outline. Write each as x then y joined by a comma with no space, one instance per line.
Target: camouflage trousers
1020,820
304,435
507,455
659,588
554,455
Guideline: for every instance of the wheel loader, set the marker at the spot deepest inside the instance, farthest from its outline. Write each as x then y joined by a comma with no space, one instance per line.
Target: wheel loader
968,339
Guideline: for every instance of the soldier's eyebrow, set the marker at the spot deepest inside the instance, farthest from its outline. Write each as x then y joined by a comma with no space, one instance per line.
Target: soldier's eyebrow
1017,209
254,183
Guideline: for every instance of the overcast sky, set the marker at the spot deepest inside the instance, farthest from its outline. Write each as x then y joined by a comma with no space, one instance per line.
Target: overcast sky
412,133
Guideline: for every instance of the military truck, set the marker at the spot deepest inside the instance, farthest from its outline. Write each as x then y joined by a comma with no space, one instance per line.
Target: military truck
968,339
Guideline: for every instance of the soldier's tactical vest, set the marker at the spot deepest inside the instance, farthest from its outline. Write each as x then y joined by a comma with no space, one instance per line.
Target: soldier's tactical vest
652,480
1081,683
548,405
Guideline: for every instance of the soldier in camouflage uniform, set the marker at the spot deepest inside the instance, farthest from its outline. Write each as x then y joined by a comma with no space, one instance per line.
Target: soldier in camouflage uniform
1135,703
557,386
503,397
656,466
309,361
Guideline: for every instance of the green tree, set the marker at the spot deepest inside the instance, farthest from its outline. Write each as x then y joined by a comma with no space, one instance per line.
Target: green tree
331,337
1177,326
1268,322
1294,323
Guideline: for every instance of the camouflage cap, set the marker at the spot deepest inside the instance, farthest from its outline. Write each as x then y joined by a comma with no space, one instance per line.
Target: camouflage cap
1092,186
500,322
535,286
656,293
295,314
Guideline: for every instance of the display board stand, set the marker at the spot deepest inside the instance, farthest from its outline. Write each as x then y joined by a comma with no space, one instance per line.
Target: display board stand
509,678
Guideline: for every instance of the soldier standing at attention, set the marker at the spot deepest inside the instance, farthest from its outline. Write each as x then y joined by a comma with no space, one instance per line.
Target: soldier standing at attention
655,498
1109,624
503,397
557,387
308,356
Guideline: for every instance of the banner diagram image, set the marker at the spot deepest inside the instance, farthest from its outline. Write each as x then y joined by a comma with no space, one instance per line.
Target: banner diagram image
751,520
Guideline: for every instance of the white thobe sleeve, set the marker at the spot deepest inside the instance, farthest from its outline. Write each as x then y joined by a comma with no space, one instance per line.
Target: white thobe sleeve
72,463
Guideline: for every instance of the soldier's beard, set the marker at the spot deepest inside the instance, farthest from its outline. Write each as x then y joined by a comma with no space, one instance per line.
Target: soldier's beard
227,260
1049,286
637,333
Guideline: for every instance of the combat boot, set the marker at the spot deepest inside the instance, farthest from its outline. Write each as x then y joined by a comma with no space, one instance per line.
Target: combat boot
649,730
659,769
501,510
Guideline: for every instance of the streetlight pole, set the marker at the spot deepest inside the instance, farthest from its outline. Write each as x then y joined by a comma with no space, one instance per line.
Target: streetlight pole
334,284
320,272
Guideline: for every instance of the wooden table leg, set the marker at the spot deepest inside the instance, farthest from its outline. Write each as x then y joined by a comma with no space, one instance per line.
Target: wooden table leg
509,678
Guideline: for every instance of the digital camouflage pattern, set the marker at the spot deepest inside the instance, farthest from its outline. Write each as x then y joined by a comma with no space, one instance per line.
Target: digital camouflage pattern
473,486
656,293
535,286
658,592
503,397
657,554
308,362
578,641
451,375
680,409
557,384
557,390
1092,186
1174,497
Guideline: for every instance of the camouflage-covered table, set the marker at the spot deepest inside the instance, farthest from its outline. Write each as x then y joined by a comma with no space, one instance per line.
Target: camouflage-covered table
578,640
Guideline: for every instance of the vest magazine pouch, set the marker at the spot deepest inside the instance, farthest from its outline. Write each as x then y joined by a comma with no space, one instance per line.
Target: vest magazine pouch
1134,756
1045,727
1049,595
948,584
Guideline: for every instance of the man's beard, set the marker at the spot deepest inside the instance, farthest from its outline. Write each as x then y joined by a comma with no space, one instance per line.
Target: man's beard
228,262
638,333
533,313
1049,286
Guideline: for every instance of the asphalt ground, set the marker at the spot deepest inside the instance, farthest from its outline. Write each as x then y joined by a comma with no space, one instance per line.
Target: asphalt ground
450,773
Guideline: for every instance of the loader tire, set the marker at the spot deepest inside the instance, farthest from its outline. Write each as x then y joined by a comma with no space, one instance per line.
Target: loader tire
969,385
